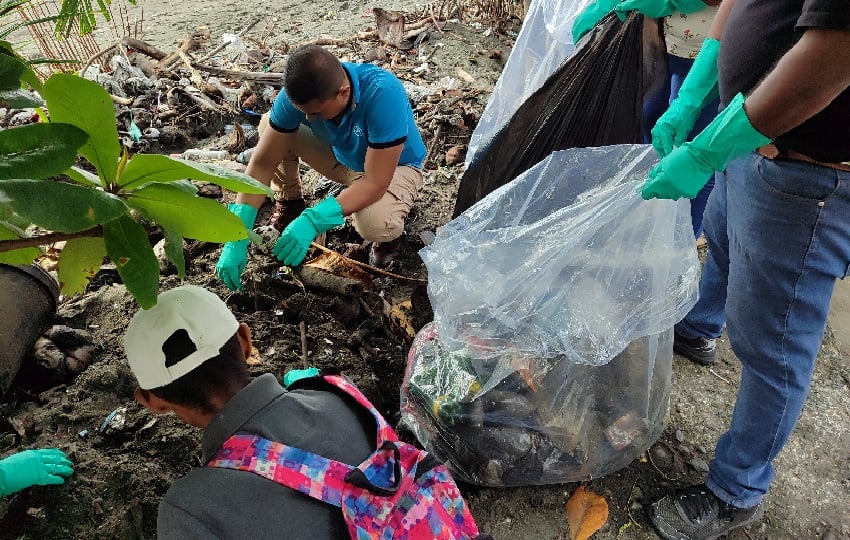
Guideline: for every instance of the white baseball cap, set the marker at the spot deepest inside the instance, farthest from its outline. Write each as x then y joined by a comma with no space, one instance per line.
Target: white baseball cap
203,316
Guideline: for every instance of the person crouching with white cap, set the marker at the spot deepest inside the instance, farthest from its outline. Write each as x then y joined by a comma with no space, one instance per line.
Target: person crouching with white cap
188,355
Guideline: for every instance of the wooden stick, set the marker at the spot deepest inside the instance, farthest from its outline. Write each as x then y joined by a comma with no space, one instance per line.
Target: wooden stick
367,266
225,44
143,47
98,55
274,79
317,278
120,100
302,327
434,142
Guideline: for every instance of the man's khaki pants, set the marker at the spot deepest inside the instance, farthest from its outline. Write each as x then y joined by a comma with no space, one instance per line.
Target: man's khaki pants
381,221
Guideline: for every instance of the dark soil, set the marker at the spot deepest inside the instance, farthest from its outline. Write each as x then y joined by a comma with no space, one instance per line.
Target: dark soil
123,467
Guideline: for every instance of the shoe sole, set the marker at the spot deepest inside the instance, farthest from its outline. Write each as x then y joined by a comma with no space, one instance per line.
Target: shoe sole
671,534
690,354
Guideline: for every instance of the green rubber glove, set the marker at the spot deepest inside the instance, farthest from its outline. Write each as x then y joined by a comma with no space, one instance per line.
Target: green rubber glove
34,468
594,12
297,374
657,8
295,239
234,255
698,90
686,169
591,15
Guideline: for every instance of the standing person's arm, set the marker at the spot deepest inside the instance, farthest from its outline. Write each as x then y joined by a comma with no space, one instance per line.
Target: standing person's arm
805,80
698,90
719,21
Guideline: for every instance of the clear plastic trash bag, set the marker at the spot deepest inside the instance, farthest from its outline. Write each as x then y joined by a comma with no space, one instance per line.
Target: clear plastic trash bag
554,298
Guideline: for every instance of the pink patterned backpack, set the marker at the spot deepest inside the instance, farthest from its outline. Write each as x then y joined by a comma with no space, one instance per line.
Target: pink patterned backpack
399,492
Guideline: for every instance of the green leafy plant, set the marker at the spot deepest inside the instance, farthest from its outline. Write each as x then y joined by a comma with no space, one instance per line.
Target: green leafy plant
71,12
107,214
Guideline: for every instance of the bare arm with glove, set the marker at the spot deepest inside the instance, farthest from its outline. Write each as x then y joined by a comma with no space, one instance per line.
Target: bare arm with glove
800,86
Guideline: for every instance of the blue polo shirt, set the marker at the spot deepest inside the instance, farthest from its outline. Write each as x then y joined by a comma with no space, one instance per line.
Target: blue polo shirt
379,117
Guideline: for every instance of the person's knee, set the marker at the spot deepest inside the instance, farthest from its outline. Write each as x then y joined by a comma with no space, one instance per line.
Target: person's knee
375,225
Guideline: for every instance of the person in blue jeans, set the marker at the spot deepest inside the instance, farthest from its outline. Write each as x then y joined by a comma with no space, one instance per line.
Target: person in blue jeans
778,231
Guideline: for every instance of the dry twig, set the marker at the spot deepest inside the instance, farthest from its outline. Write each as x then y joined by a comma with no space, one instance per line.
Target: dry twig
367,266
302,327
225,44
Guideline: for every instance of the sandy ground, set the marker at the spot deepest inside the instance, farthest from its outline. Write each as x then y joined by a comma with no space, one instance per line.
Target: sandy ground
811,493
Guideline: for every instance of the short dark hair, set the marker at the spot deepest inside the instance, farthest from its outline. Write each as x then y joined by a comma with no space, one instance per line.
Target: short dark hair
312,72
219,375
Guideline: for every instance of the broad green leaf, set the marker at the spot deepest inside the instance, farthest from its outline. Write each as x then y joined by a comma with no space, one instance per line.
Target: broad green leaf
174,251
11,219
82,176
20,99
128,246
146,168
39,150
185,185
16,256
85,104
80,261
11,70
59,206
187,215
28,75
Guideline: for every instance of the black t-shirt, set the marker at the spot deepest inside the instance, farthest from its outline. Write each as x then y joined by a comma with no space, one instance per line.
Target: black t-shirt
757,34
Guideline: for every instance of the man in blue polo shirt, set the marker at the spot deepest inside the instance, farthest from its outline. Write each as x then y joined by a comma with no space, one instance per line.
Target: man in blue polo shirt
353,124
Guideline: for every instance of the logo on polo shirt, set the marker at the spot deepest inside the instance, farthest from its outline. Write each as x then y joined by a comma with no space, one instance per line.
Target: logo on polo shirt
357,131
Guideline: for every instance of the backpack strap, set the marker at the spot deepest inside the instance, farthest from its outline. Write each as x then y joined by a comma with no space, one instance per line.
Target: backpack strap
312,474
305,472
385,431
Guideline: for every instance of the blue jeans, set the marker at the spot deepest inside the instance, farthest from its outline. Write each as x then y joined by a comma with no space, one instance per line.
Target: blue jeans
778,237
654,107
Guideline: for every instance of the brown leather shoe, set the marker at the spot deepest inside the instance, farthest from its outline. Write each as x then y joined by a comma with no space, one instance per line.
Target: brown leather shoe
285,211
384,253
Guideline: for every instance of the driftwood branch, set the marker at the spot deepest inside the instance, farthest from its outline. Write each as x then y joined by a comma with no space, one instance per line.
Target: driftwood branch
273,79
321,279
120,100
143,47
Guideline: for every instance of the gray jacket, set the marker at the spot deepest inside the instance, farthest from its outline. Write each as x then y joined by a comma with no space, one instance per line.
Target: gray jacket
223,503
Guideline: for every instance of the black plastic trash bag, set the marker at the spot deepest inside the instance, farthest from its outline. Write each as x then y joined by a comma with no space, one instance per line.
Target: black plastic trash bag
594,99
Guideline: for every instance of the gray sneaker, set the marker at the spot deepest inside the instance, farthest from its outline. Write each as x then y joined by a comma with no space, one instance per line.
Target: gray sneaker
700,350
695,513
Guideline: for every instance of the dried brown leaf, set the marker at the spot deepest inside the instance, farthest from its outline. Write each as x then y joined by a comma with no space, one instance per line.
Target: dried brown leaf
465,76
401,315
587,512
337,265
